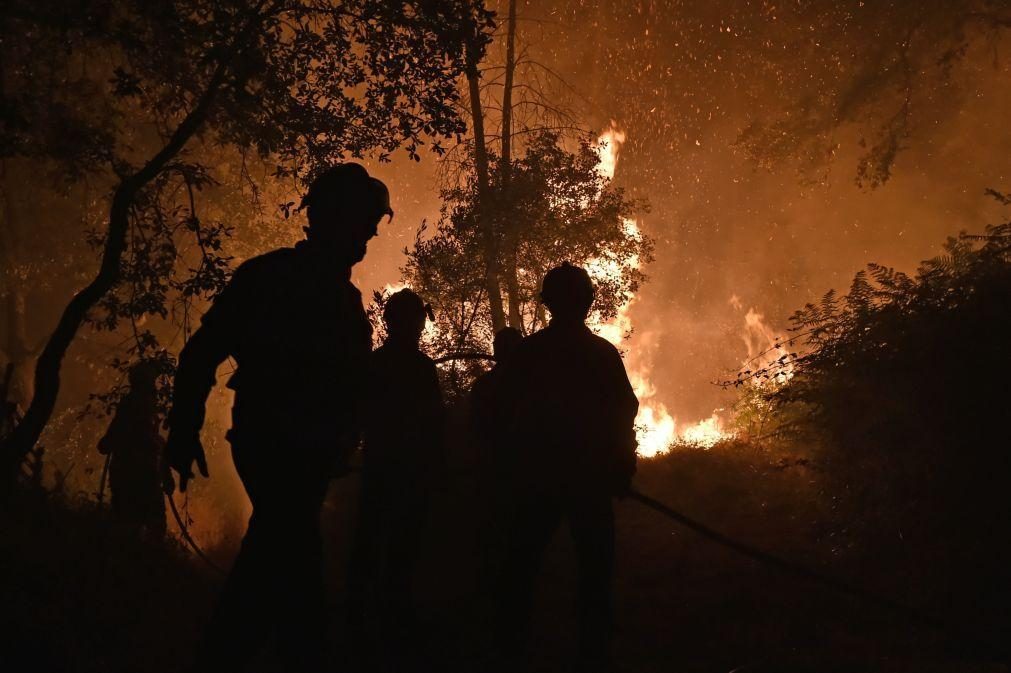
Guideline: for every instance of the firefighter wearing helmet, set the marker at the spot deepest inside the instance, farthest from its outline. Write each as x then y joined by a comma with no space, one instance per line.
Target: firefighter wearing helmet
294,325
402,441
567,411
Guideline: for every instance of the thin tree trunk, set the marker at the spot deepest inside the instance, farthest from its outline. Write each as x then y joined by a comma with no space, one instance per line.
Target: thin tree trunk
14,337
507,94
511,243
47,369
485,221
16,347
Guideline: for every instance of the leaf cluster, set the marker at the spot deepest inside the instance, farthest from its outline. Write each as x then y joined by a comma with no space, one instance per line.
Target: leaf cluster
161,96
904,385
556,207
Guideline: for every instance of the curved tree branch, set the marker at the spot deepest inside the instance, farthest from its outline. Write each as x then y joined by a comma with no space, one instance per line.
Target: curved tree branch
47,369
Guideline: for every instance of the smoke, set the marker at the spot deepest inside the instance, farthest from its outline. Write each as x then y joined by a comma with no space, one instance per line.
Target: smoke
773,240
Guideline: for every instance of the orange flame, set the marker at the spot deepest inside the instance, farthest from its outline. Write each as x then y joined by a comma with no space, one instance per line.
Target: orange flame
656,429
766,351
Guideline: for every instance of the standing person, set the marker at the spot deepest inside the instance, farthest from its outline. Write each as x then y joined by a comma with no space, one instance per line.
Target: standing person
403,444
485,438
568,413
295,325
484,392
134,446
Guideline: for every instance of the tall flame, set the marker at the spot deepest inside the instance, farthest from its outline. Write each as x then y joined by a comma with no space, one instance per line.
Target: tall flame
766,352
656,429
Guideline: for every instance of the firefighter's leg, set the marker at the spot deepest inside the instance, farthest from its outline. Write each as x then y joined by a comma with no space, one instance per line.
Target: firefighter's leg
533,522
406,530
242,618
363,567
301,619
591,520
275,586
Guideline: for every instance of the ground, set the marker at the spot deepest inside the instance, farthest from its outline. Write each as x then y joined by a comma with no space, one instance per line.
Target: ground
80,595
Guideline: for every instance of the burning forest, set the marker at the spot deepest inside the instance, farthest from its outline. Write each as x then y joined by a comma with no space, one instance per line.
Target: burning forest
375,337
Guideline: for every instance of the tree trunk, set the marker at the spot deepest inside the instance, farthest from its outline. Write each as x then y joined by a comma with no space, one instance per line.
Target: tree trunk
47,369
485,221
507,94
14,336
16,347
511,243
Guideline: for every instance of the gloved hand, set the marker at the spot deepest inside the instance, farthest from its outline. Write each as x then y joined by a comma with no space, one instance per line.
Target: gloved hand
180,452
625,470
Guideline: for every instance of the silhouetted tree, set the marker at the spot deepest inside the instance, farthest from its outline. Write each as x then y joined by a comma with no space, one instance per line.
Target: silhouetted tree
304,83
559,207
512,98
873,69
904,386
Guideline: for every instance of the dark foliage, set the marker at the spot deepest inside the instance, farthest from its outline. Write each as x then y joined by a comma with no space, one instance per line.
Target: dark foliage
906,386
556,207
882,92
299,85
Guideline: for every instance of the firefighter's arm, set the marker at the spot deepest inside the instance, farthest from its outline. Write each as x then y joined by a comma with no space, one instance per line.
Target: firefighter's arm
626,407
432,414
195,377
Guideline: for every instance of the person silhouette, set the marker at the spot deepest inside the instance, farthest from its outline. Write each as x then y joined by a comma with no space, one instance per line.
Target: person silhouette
567,413
134,446
402,430
295,325
485,439
484,392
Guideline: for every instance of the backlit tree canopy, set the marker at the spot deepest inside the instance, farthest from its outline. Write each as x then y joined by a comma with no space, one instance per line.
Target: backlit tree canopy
118,91
557,207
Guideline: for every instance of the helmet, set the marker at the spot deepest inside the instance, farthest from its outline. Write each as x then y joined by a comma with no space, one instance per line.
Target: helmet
506,341
568,290
348,183
404,311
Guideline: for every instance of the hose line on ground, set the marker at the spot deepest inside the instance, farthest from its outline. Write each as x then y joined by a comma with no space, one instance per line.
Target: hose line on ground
791,568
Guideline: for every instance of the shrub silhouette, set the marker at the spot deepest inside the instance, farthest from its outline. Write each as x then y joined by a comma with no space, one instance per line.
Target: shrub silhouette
905,387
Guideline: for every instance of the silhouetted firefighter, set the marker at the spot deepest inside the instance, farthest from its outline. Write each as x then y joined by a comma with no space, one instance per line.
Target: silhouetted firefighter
567,411
403,444
295,325
134,446
485,391
485,438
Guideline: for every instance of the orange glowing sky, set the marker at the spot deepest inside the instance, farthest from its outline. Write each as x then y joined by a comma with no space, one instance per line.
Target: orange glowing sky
724,227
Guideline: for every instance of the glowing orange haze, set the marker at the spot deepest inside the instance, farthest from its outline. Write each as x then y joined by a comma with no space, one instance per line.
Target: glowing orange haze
656,428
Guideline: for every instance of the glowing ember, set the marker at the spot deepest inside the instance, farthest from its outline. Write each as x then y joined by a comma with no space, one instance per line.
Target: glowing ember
656,429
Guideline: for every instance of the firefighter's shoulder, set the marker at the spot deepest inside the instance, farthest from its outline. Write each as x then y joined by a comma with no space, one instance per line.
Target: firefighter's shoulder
603,345
256,274
267,262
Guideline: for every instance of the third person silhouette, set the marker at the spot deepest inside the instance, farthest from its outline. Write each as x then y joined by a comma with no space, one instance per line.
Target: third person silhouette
567,413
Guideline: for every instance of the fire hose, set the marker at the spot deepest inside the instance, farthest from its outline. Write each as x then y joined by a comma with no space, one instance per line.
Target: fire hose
785,566
184,531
